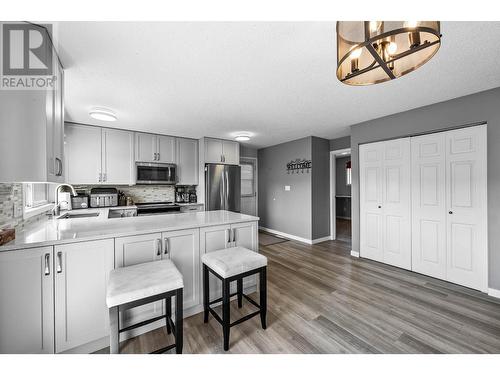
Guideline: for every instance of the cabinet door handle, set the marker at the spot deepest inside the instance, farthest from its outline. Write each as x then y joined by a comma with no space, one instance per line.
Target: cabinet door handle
47,264
379,206
59,262
59,167
158,247
229,236
166,246
450,212
104,177
234,236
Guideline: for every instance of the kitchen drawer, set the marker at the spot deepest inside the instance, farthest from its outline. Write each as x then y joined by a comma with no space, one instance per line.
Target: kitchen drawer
198,207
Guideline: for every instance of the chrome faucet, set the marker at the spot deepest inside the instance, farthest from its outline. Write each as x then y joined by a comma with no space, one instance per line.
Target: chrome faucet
57,209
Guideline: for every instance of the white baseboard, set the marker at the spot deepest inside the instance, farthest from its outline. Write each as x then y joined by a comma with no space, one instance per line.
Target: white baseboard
322,239
494,293
286,235
355,253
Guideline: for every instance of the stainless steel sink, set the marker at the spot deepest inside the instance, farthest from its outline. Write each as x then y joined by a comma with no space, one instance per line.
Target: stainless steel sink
71,215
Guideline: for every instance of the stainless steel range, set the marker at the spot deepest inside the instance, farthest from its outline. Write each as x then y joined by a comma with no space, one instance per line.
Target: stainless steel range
157,208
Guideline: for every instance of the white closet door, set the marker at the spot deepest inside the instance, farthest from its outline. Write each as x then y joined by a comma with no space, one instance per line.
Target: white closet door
429,204
371,218
467,249
396,203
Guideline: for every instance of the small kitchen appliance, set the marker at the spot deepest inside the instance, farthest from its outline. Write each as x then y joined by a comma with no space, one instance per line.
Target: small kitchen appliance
103,197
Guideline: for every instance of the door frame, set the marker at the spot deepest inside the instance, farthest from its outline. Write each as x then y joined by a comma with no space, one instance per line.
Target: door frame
255,179
333,188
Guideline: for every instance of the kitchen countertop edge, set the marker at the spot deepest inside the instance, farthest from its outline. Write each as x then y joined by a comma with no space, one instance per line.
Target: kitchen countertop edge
182,226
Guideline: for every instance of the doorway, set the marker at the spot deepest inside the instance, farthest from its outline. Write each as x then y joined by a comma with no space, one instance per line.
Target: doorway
340,195
248,186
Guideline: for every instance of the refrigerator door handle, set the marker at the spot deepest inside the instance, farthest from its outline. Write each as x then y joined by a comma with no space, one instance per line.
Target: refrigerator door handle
226,203
222,193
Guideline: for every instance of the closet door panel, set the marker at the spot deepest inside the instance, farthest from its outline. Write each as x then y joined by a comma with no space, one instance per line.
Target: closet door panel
371,218
429,205
467,250
396,203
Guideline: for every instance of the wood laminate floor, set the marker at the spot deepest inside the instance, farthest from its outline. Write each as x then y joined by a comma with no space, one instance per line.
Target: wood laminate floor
343,230
322,300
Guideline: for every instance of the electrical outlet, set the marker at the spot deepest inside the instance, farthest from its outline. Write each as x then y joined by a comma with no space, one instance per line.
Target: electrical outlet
17,210
287,187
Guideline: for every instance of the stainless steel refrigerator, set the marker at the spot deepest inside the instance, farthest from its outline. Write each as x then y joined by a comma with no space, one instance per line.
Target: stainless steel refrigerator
222,187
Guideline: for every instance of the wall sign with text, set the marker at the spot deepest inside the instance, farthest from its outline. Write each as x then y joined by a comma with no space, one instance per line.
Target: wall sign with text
298,166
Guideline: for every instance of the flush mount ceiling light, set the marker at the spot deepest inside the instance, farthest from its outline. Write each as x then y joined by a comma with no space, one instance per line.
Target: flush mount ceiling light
242,137
102,114
370,52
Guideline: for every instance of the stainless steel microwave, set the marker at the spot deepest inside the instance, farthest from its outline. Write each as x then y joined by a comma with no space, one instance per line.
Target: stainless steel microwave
156,173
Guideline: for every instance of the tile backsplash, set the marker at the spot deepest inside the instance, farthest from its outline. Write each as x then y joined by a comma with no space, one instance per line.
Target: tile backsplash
11,198
142,193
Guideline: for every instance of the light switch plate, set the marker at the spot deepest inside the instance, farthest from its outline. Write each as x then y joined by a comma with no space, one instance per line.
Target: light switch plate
287,187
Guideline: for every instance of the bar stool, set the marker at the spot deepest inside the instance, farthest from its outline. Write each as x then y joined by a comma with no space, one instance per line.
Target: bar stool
229,265
141,284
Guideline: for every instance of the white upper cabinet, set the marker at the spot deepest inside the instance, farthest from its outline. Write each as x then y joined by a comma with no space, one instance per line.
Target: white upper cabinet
117,158
83,154
187,161
145,147
166,149
154,148
31,124
221,151
213,150
81,273
231,152
27,301
98,155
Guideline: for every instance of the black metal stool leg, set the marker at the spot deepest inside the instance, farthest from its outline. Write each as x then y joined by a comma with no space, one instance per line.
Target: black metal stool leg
239,284
263,295
168,308
225,313
178,321
206,293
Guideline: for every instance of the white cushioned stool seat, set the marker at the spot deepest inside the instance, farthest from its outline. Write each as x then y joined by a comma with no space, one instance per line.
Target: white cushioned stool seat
233,261
143,280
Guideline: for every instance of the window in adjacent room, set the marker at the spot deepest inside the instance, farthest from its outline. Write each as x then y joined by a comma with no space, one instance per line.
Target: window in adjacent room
348,175
247,180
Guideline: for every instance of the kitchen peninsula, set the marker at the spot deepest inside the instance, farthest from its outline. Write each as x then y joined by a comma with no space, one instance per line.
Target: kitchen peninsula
60,269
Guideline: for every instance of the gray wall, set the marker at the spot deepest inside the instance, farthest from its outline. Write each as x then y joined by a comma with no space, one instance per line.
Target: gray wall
484,106
285,211
320,188
340,143
247,152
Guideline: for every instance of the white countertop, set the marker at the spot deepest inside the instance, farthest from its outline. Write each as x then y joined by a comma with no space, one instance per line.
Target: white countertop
60,231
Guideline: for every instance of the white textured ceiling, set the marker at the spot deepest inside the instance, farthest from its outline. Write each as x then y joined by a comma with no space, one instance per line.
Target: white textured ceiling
276,80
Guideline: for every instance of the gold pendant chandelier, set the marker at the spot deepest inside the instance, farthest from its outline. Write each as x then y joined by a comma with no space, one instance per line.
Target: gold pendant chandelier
370,52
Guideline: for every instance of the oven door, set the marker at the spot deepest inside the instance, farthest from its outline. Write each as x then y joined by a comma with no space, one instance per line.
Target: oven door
156,173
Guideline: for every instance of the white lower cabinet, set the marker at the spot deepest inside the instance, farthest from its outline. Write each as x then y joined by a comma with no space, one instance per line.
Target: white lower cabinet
227,236
27,301
182,247
81,273
213,239
135,250
245,235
